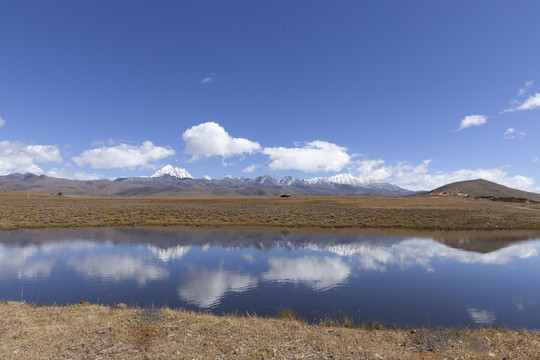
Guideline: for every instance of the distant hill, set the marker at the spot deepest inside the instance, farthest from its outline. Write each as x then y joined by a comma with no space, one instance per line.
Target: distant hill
484,188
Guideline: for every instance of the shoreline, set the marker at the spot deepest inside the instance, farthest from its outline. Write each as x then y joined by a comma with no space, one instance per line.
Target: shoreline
115,332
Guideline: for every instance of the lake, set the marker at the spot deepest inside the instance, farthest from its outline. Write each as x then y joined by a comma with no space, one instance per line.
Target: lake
399,280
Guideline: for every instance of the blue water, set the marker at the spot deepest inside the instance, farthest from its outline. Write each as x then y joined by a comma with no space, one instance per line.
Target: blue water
397,280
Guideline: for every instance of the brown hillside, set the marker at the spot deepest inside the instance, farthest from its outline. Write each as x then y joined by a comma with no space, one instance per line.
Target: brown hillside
481,187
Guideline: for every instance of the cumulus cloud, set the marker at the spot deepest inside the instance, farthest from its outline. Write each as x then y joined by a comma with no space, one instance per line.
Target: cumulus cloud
419,176
472,120
210,139
2,122
123,156
312,157
511,133
18,157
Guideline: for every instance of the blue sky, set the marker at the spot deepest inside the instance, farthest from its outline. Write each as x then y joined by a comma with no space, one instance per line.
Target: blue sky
415,93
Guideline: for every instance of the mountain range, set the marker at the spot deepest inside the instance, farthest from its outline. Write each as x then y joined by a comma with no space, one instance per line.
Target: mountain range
176,181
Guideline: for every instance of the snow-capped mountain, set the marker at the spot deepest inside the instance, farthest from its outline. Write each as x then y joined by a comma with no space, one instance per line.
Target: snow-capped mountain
344,179
291,180
177,181
173,171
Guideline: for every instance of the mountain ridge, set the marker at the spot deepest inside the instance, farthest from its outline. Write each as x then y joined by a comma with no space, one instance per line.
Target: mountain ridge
180,184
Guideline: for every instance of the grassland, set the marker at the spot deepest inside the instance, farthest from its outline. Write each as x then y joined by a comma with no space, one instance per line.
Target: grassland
99,332
18,211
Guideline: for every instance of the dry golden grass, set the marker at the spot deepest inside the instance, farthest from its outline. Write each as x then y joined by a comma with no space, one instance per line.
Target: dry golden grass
39,211
99,332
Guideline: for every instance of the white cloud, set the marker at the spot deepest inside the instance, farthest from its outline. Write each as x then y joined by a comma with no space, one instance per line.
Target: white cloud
209,79
68,173
535,160
251,168
531,103
528,85
210,139
2,122
419,177
123,156
472,120
314,156
18,157
511,133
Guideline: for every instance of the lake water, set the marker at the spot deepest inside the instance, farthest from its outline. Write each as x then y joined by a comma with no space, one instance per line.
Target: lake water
396,280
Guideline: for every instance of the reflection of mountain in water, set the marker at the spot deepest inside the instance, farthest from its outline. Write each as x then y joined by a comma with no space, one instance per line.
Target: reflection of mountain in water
171,253
173,243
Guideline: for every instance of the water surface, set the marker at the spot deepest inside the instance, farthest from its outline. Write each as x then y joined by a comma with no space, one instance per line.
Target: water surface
397,280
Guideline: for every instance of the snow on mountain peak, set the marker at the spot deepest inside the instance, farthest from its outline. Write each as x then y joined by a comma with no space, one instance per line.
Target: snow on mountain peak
346,179
173,171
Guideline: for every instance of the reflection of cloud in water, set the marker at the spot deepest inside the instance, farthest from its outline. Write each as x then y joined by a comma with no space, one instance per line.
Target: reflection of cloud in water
249,258
420,252
21,263
319,273
482,317
171,253
205,288
69,247
117,268
523,303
